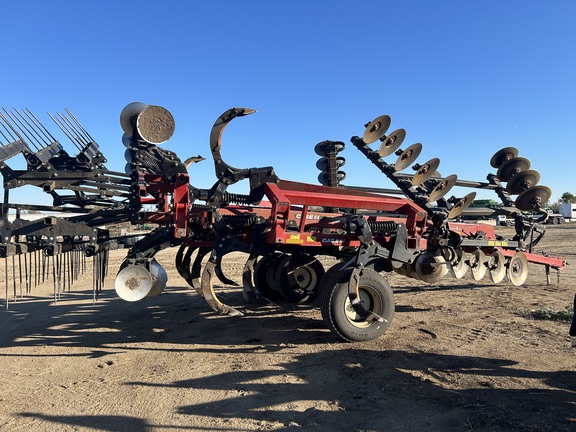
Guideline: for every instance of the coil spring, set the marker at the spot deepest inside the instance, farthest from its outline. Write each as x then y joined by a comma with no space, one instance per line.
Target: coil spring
240,220
234,198
198,206
312,228
151,164
383,226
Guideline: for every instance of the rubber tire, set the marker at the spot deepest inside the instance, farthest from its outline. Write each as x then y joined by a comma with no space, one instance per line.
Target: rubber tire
334,298
289,287
328,278
265,273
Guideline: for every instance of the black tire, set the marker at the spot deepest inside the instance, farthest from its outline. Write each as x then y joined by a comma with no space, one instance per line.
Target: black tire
298,277
328,278
376,295
265,276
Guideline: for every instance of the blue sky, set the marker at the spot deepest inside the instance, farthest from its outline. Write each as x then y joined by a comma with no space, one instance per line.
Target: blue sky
463,78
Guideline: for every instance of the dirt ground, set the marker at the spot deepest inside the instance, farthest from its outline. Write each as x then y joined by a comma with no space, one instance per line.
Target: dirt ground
459,356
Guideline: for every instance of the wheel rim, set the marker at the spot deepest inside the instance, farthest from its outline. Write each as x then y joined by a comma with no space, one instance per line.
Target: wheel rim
305,278
370,300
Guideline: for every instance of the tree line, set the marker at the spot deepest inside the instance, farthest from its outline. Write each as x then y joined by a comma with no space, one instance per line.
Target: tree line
567,197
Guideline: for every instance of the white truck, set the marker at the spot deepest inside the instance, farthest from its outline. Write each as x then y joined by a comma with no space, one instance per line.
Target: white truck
503,220
568,211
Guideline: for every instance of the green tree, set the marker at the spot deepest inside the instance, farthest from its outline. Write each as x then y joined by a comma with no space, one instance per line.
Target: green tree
567,197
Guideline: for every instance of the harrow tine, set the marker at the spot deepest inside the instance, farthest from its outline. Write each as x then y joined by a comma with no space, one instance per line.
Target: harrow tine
65,273
61,279
38,136
14,275
79,263
27,276
6,279
106,261
178,260
32,270
195,271
66,132
2,133
79,125
33,259
54,278
99,272
45,266
209,294
250,292
20,273
186,268
38,124
80,138
222,277
16,122
94,282
13,129
68,259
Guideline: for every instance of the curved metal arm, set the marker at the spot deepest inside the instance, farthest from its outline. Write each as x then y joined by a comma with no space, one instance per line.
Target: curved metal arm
216,138
228,175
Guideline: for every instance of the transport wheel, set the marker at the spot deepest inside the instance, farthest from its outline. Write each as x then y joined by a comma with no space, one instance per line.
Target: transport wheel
298,277
329,279
375,296
265,276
